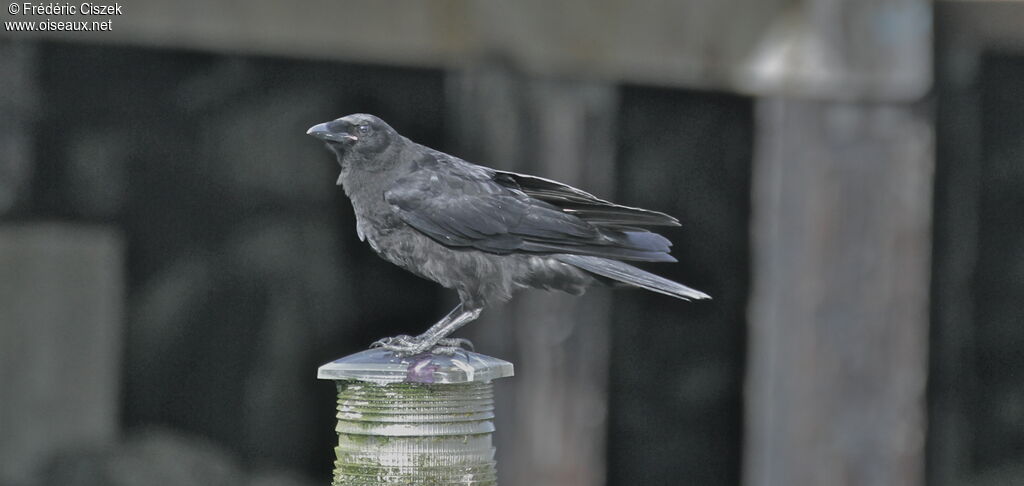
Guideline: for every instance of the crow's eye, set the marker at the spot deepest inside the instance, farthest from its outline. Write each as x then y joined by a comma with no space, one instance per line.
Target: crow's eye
363,129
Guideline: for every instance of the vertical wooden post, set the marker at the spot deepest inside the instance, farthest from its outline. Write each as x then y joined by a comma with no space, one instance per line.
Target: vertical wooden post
61,304
838,319
18,104
841,249
553,428
959,146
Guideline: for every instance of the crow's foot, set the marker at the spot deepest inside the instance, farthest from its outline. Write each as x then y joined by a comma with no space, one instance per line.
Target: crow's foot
449,346
405,345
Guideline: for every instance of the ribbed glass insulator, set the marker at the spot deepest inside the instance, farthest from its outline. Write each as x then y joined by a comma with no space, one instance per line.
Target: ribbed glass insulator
415,434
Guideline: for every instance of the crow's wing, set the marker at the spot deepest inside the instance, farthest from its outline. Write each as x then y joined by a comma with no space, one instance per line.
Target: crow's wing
583,204
460,205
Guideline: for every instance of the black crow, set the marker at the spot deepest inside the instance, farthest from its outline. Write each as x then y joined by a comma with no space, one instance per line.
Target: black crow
485,233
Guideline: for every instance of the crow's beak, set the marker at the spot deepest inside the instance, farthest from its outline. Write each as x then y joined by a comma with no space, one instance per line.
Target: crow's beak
323,133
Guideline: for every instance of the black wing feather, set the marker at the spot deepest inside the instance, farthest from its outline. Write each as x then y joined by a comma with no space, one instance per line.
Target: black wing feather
582,204
461,205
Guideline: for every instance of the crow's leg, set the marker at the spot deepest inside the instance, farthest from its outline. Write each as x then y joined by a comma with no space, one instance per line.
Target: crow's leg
436,338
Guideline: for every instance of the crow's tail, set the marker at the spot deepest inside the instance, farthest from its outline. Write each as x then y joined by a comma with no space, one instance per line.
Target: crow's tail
629,274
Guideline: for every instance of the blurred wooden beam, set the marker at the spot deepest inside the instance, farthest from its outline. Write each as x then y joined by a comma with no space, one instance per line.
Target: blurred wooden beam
839,314
965,31
983,24
61,305
20,104
953,384
758,47
551,420
841,240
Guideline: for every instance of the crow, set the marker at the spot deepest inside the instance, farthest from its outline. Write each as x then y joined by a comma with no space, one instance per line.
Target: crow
483,232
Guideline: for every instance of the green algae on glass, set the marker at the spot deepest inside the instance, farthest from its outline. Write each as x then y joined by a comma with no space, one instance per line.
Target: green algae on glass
415,434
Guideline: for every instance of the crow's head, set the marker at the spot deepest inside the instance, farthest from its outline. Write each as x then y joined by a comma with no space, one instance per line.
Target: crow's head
360,134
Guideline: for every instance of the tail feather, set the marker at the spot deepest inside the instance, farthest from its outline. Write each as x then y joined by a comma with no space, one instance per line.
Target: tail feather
629,274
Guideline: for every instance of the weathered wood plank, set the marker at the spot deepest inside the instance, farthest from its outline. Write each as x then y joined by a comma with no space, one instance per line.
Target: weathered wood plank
952,383
18,102
839,313
980,24
61,305
751,46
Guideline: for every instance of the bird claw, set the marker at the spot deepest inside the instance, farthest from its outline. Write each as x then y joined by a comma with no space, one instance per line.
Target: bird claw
402,340
402,345
405,345
450,346
457,344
